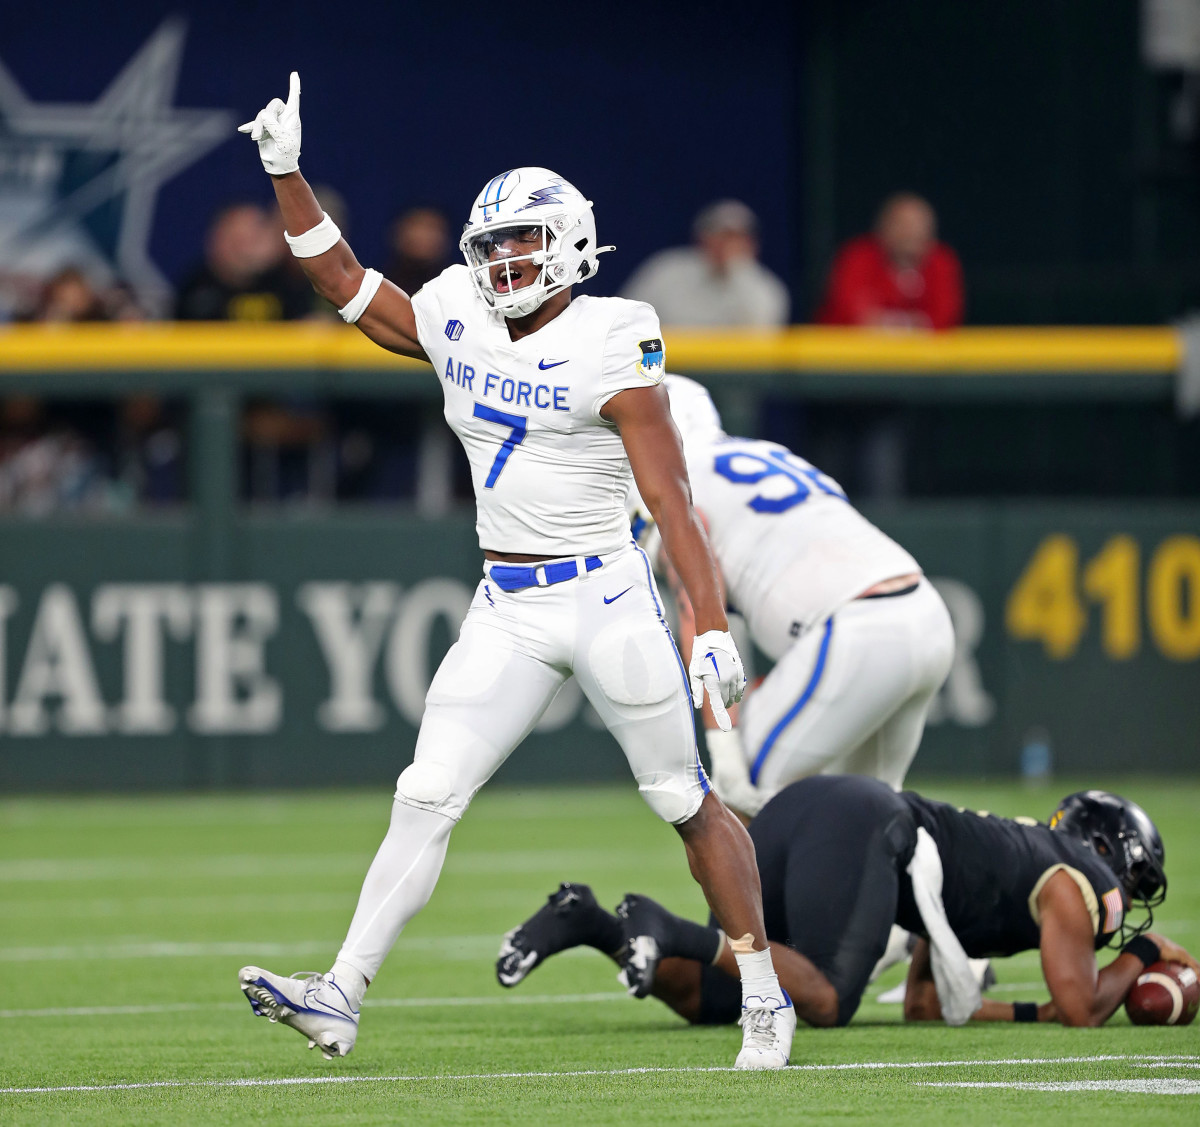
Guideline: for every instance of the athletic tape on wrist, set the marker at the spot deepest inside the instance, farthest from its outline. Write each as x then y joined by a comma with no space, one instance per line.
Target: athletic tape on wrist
1024,1011
316,240
1144,948
357,305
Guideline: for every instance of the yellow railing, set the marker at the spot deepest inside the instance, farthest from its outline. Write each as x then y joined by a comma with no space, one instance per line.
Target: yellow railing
1148,351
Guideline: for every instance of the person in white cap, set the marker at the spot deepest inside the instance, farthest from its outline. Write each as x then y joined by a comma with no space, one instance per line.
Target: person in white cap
717,281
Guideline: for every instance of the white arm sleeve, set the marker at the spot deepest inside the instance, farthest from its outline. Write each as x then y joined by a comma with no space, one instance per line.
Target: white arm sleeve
357,305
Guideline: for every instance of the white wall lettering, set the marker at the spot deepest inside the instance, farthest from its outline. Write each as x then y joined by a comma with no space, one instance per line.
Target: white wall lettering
233,691
57,664
350,621
963,699
142,609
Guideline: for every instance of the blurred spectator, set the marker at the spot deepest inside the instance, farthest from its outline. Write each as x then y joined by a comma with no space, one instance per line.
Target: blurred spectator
148,453
46,468
243,276
719,280
899,276
290,454
419,244
70,296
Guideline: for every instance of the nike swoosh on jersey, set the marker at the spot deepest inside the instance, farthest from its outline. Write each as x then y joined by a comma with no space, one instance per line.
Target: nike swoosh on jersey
616,597
543,364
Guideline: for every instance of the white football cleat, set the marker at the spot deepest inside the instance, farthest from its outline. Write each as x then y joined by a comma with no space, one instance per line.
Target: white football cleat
768,1026
312,1004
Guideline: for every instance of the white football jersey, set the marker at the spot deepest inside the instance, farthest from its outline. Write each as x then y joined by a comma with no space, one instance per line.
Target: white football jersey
551,476
788,542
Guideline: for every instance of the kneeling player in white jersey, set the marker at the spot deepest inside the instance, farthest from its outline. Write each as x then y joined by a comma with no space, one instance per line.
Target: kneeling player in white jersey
554,401
861,640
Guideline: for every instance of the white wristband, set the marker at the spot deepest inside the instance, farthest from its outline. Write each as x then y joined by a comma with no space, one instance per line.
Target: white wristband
316,240
357,305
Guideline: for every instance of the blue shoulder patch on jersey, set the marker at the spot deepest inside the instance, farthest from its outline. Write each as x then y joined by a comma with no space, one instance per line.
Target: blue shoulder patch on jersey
653,358
454,329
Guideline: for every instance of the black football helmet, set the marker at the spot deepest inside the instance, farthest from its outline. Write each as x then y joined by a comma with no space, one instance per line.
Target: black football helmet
1121,834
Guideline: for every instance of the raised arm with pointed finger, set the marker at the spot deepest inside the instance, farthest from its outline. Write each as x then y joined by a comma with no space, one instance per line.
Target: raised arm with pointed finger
363,297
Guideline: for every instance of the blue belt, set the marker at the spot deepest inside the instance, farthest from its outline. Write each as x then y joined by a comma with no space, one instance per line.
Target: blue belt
509,578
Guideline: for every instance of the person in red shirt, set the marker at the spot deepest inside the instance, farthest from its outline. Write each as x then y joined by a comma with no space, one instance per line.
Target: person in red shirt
900,276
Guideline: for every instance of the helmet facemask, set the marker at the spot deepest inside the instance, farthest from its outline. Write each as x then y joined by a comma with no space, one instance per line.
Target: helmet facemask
553,274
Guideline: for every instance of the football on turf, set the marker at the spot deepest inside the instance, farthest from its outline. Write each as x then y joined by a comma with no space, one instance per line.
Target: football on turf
1164,994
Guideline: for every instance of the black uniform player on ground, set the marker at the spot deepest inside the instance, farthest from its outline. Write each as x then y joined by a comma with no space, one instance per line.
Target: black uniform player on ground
833,856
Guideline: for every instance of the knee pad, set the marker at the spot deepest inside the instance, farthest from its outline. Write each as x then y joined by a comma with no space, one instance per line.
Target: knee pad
634,666
425,784
673,798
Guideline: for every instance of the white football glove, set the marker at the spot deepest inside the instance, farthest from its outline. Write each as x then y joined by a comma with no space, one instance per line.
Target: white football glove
730,775
716,667
277,131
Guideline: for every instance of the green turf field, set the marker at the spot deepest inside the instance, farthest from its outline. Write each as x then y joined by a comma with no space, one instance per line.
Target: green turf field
123,922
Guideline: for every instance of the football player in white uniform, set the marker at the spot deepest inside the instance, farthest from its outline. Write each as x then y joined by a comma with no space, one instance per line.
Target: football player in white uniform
861,640
554,401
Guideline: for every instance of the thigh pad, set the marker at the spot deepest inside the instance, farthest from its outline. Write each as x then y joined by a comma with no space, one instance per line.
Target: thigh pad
634,663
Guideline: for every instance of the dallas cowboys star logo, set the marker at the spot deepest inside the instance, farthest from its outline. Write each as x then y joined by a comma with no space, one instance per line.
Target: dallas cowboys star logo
78,182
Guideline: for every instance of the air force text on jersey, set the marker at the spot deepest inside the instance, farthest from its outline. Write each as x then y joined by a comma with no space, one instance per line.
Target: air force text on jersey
550,472
517,393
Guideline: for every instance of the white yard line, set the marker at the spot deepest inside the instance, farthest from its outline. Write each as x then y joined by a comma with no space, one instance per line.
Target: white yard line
1148,1087
447,946
243,865
142,868
862,1066
371,1003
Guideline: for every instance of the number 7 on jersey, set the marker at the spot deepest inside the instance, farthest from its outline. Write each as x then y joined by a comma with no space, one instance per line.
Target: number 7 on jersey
519,425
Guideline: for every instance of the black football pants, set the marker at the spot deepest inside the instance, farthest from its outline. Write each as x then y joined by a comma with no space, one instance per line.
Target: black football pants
831,853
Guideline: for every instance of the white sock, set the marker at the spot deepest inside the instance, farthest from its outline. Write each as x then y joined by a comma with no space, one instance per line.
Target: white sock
758,974
350,981
397,886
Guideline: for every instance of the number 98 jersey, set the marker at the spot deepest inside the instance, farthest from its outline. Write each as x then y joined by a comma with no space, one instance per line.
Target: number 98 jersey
550,474
790,546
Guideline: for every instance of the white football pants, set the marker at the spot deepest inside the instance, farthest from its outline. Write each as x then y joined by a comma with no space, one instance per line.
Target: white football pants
514,652
850,697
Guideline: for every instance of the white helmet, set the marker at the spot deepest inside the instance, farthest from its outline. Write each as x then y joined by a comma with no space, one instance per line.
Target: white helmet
693,410
539,199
